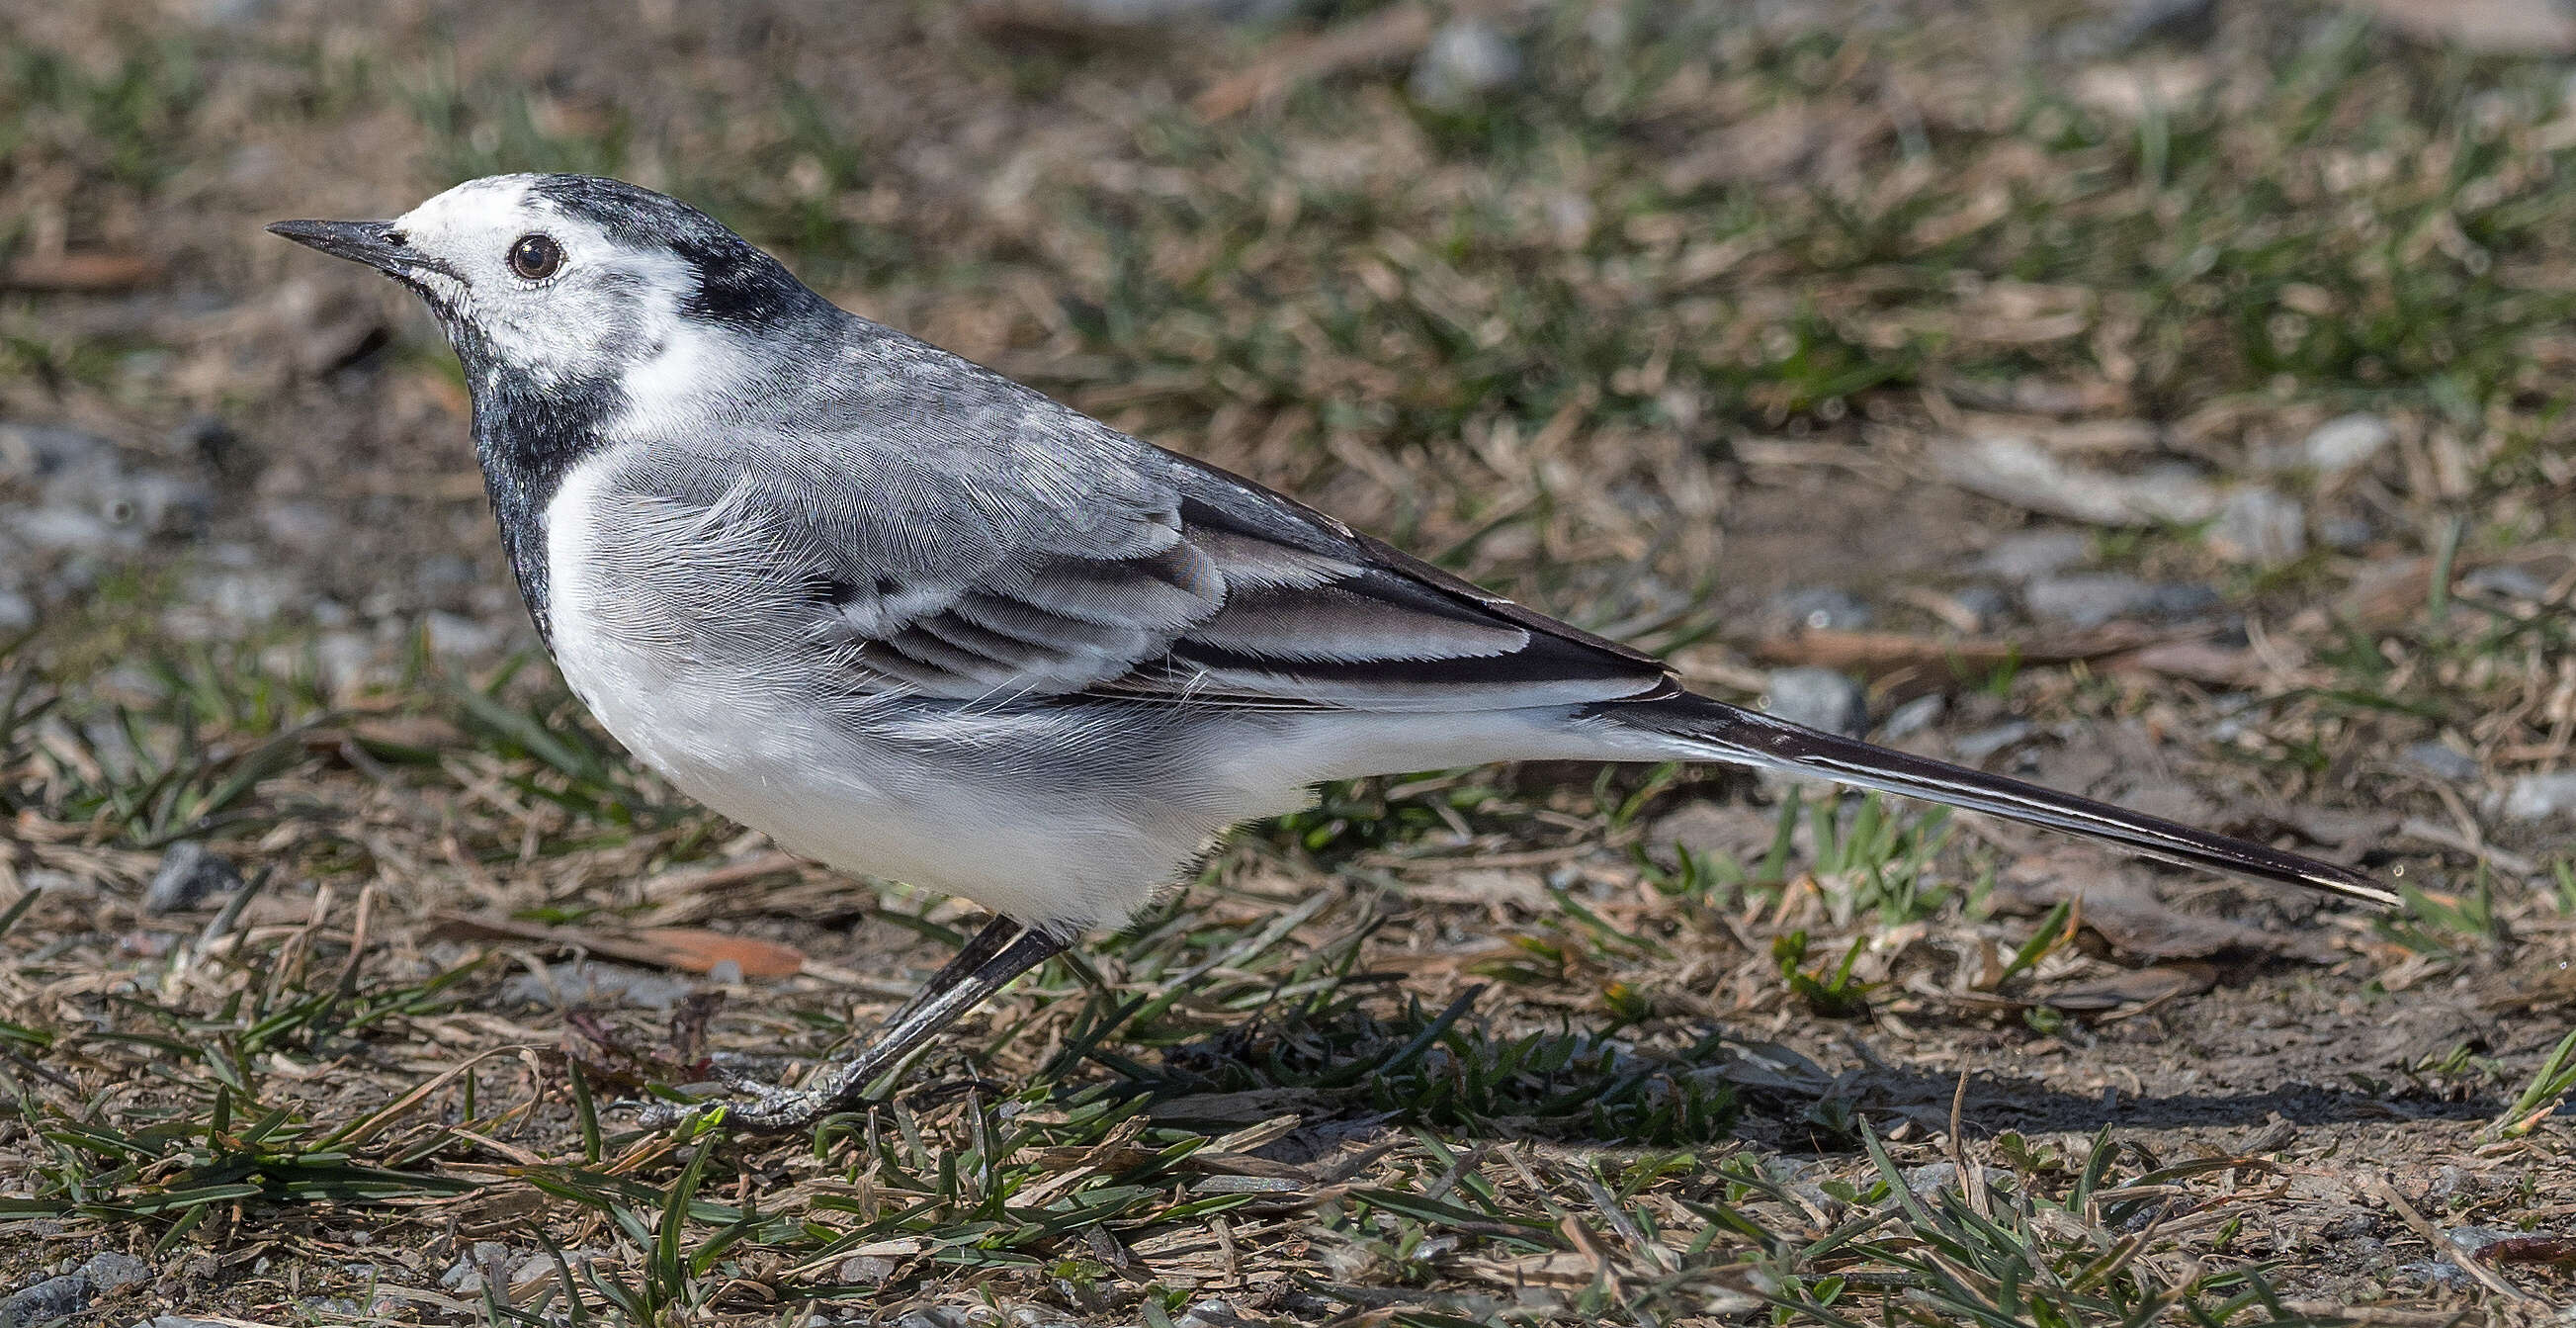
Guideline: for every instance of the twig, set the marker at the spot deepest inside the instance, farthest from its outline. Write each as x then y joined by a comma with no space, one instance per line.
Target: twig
2459,1254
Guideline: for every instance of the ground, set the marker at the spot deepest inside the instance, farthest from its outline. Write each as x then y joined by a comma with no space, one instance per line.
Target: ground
2166,401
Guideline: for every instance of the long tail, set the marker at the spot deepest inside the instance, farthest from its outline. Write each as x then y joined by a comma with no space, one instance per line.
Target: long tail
1718,731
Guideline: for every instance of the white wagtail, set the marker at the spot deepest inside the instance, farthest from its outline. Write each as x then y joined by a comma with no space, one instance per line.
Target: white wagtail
920,622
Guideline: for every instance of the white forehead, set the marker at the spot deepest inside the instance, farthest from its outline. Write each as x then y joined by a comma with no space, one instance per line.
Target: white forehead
490,213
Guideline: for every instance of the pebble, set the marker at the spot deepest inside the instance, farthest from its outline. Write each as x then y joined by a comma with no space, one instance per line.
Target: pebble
1821,608
1987,604
110,1269
2441,762
2092,599
1143,13
1467,58
2345,534
468,1272
863,1270
2260,527
589,983
2540,797
189,875
1933,1177
47,1301
2346,441
2507,583
2476,1239
1912,717
1819,699
1971,748
2035,553
455,637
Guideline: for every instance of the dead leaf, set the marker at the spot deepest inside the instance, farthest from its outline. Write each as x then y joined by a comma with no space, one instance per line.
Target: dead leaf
87,271
2133,986
1390,36
2126,913
2021,472
2486,27
688,949
1911,665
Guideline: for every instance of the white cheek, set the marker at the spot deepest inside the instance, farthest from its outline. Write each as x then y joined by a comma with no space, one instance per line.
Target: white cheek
695,368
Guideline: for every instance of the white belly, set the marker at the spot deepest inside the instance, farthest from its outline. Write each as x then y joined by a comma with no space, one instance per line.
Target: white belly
761,750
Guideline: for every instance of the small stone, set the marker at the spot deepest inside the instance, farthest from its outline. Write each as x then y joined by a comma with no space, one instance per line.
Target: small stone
1972,748
1713,828
1821,608
933,1316
2260,527
2441,762
2476,1239
343,661
2345,534
454,636
110,1269
1912,717
1467,58
1989,605
2540,797
2086,600
189,875
2035,553
2092,599
595,984
864,1270
17,612
467,1273
2507,583
1213,1312
53,1299
1819,699
2346,441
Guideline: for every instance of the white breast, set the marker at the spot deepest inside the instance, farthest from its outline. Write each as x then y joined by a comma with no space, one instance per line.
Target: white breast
758,747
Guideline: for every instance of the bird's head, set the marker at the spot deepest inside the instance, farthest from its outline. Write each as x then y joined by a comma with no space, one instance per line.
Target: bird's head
557,283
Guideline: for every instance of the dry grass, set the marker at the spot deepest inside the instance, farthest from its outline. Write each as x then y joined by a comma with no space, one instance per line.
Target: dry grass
1528,1045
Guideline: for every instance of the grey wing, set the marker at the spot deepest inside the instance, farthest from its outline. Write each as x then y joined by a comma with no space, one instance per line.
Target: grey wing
1084,563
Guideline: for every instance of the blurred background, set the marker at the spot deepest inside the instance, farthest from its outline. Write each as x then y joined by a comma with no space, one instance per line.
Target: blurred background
2166,399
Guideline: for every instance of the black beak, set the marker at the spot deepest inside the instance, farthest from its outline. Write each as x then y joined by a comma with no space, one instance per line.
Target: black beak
374,243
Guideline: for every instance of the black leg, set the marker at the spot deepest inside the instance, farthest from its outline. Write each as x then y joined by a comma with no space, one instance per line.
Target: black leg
1002,951
982,946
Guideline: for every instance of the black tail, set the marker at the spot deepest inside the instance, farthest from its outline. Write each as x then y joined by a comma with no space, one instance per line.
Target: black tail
1718,731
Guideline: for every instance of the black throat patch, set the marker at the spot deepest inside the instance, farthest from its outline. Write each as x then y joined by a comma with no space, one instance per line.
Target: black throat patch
529,437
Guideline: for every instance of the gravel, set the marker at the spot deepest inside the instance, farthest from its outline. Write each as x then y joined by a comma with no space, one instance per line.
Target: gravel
1467,59
189,875
2035,553
2092,599
2541,797
53,1299
2346,442
1821,608
2260,527
1819,699
2441,762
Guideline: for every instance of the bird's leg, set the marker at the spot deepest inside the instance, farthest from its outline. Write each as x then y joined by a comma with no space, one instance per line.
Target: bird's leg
1002,951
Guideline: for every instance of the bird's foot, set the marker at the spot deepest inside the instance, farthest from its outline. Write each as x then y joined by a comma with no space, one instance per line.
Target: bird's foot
752,1107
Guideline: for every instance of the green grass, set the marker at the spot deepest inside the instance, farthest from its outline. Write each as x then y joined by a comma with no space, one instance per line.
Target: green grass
1449,1048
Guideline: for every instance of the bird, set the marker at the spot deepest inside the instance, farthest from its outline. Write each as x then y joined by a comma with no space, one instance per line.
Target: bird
919,622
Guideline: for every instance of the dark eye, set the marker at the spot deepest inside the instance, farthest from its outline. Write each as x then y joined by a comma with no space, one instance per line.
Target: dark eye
536,257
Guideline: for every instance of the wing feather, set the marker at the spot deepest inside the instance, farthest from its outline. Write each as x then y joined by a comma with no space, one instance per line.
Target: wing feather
1012,548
